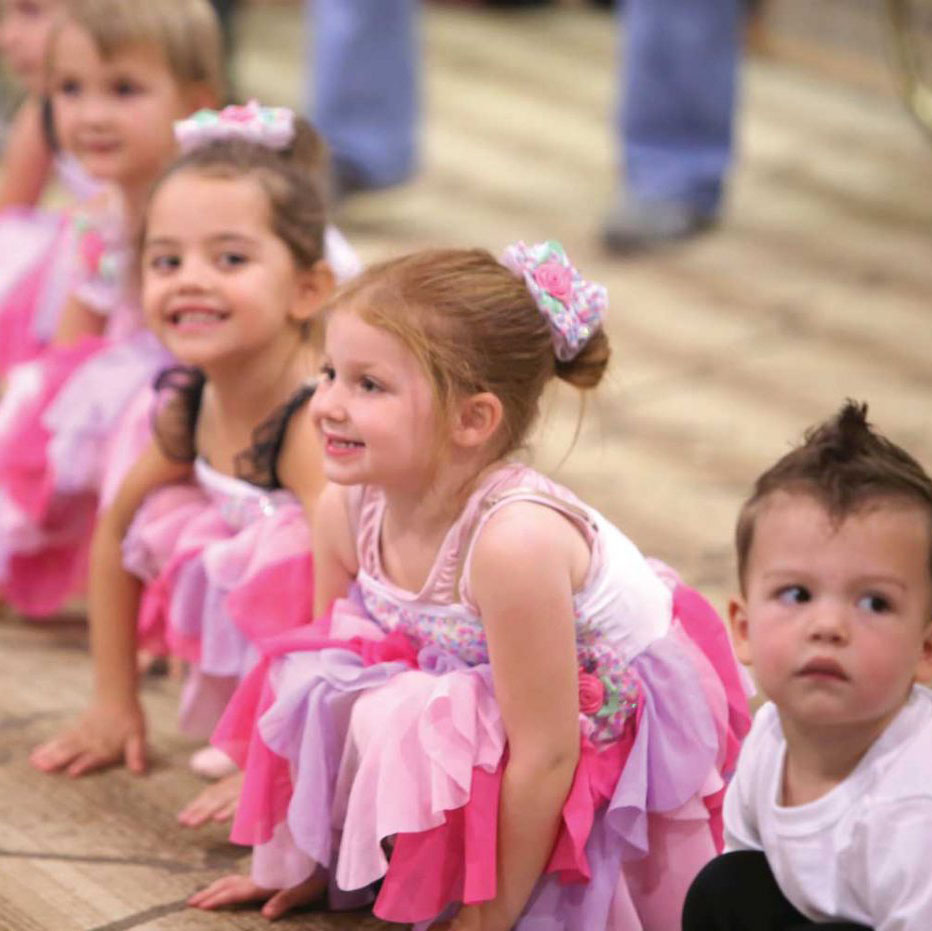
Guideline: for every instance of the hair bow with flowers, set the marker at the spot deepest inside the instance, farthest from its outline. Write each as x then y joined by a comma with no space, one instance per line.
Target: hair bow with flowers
574,307
272,127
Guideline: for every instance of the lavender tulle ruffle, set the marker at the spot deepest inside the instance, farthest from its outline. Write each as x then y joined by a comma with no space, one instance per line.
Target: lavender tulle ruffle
206,578
85,416
383,762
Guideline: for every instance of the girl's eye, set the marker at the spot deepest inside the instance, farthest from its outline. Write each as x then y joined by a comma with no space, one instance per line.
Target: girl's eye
327,373
230,260
69,87
125,88
874,604
164,263
369,385
794,595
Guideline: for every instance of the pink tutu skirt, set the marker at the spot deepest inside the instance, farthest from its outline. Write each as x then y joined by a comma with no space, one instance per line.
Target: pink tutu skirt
221,573
58,418
358,738
38,249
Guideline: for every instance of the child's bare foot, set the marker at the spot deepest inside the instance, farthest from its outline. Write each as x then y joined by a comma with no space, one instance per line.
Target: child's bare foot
238,890
216,803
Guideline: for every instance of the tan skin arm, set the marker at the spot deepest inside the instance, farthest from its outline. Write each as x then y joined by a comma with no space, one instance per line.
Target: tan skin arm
113,727
525,564
77,321
27,161
334,548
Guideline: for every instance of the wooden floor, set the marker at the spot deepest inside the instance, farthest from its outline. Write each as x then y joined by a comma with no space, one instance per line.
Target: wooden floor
817,287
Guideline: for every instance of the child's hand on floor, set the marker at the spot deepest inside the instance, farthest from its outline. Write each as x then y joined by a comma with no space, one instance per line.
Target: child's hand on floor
216,803
106,734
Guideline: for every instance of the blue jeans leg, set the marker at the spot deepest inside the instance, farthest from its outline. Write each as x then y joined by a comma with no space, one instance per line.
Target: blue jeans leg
680,71
366,65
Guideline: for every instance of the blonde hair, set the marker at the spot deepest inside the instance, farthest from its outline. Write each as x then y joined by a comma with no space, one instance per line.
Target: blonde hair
473,326
187,31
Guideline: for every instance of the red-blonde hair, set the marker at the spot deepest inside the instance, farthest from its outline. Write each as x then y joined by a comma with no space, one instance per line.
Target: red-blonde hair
473,327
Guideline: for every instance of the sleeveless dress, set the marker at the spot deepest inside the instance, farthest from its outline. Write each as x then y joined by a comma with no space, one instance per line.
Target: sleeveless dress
387,732
58,415
226,561
42,263
133,431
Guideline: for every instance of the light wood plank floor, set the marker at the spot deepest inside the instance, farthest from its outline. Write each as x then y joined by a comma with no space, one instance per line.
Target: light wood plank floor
817,287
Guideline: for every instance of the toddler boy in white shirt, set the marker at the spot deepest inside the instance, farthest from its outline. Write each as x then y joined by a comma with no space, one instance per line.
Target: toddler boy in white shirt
828,820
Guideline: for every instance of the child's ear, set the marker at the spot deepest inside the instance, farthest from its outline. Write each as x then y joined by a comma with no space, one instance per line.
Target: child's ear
313,287
738,621
476,419
924,666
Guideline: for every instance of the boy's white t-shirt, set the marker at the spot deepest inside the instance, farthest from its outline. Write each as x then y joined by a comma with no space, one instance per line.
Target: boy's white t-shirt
861,853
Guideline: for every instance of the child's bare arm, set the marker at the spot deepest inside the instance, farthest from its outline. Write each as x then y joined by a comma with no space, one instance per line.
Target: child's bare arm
77,321
334,548
113,727
522,579
27,160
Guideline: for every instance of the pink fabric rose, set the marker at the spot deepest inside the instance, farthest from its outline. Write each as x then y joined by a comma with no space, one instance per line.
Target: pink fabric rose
237,114
555,279
591,693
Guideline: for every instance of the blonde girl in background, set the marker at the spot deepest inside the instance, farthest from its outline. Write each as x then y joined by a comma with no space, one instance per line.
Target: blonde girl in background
38,244
209,528
25,28
120,73
515,720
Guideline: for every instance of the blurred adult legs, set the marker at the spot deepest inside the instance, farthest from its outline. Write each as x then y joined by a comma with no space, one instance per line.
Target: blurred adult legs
678,80
678,85
366,61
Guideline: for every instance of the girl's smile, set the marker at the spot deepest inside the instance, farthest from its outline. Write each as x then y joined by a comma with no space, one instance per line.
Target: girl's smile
374,407
217,281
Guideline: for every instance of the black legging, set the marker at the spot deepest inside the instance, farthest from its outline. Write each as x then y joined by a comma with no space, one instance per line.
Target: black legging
737,892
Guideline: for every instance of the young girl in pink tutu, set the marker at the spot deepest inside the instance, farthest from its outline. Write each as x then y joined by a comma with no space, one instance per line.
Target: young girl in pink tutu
121,73
38,244
25,27
515,720
212,516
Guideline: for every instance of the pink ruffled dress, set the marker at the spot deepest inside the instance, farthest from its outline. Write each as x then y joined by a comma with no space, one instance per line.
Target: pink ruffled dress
386,733
225,561
58,416
42,259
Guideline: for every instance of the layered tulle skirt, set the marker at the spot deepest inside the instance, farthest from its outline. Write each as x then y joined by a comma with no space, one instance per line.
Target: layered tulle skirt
220,574
38,269
59,416
355,742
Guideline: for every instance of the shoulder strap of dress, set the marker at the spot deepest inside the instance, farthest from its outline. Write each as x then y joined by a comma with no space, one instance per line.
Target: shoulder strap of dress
178,393
258,465
577,515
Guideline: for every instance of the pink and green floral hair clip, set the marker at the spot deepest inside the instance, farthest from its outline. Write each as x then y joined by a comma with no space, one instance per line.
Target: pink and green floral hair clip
574,307
272,127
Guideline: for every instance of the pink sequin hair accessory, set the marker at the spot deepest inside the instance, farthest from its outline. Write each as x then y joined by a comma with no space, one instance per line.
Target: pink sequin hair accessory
574,307
272,127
